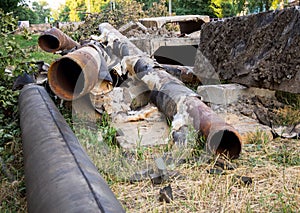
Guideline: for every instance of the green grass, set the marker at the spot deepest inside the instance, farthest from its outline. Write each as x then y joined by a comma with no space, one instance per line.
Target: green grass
35,52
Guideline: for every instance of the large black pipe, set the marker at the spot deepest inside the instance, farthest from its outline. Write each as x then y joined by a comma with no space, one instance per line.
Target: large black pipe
59,175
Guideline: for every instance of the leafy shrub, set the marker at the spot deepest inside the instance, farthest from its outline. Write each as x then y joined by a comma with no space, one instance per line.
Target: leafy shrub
11,171
123,12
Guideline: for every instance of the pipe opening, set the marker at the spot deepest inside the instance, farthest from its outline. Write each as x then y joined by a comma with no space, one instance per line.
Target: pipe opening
49,43
226,142
69,77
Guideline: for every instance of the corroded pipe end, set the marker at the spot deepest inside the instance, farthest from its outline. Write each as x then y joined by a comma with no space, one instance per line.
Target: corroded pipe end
49,43
75,74
224,140
54,40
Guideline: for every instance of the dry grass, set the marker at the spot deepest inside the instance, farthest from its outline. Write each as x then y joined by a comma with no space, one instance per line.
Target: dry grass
287,116
12,197
274,167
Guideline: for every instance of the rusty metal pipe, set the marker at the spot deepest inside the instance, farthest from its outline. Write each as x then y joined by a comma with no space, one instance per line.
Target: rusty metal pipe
75,74
184,107
59,175
54,40
179,103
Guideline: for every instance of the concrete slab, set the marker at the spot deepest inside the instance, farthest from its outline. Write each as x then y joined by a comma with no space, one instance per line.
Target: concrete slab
147,127
188,23
224,94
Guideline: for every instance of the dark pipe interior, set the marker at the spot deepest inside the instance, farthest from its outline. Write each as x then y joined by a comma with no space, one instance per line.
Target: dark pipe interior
48,43
176,55
226,142
69,76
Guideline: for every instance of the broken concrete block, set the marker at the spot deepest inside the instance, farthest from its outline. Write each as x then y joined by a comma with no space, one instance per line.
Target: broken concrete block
220,94
224,94
115,101
188,23
259,50
131,26
147,127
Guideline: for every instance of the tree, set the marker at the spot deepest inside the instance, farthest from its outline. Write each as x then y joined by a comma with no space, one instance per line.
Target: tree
254,6
64,14
95,6
77,9
10,5
147,4
228,9
25,13
196,7
41,8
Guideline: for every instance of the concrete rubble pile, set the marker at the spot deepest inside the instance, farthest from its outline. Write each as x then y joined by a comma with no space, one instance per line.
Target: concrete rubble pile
119,87
148,101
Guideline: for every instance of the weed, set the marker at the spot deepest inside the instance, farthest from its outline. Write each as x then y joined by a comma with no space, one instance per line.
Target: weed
290,99
287,116
258,138
285,155
139,150
108,132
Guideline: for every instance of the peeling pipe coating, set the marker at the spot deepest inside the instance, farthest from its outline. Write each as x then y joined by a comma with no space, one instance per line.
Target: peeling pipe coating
59,175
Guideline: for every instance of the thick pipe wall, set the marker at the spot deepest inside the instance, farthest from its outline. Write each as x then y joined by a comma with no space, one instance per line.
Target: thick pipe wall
54,40
59,176
75,74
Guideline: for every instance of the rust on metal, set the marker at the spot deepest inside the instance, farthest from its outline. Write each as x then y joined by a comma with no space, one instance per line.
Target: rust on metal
54,40
75,74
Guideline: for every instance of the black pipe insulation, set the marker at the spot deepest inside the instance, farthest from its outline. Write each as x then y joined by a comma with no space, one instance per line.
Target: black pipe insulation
59,175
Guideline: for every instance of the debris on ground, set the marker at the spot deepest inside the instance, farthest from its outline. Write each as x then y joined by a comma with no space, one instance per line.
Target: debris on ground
166,194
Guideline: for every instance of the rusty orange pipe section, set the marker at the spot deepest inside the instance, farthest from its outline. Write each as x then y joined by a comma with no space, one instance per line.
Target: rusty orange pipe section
221,137
185,108
54,40
75,74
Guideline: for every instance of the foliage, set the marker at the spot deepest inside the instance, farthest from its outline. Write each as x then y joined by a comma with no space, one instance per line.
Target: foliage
64,14
123,12
11,54
25,13
157,9
108,132
148,4
76,9
9,5
8,23
202,7
14,53
41,9
95,6
11,160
